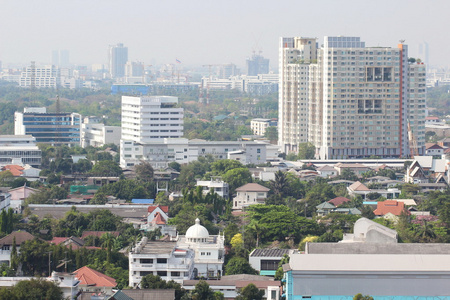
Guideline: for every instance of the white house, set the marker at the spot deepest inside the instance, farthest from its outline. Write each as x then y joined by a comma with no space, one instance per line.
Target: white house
216,183
251,193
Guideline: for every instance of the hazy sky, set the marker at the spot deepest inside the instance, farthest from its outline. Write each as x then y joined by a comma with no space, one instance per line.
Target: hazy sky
209,31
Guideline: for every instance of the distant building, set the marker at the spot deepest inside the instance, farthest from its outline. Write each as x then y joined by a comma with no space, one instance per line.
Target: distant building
216,184
259,126
118,57
98,134
151,118
19,149
228,70
7,242
48,128
249,194
40,77
257,64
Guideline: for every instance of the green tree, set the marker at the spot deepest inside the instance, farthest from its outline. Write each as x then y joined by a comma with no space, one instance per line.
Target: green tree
250,292
236,178
106,168
202,291
306,151
271,134
361,297
99,198
144,171
37,289
222,166
239,265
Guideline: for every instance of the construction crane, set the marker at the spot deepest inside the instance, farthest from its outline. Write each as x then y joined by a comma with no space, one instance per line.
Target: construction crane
412,142
209,81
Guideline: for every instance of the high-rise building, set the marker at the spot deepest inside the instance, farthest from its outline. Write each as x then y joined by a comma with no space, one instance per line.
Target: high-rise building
361,100
60,58
118,57
151,118
48,128
257,65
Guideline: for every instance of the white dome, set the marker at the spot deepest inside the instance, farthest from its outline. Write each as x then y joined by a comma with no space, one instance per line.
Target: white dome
197,231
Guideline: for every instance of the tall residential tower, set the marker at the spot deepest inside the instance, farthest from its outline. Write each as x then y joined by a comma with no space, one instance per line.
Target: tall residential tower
361,100
118,57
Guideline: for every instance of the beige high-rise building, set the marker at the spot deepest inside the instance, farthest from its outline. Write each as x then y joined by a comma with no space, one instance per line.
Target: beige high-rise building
360,101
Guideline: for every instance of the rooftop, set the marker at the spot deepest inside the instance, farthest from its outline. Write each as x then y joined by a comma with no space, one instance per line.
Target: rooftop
270,252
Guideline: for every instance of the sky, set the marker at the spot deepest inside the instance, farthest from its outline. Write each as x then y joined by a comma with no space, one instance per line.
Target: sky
200,32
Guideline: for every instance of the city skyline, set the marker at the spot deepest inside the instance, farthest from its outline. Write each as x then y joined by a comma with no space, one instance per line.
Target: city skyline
208,32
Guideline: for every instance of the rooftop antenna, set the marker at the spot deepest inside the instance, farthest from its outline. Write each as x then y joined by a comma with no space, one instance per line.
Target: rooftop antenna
402,41
63,262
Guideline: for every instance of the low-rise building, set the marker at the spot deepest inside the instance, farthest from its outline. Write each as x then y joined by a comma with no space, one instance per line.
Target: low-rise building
259,126
249,194
218,186
98,135
266,261
6,244
94,281
19,149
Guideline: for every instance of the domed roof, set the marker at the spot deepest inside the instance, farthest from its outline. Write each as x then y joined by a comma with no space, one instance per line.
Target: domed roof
197,231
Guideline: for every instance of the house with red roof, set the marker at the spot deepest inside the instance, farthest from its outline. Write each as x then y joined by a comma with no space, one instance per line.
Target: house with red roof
339,201
158,217
390,206
94,281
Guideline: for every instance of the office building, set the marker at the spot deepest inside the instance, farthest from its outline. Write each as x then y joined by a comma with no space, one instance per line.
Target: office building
228,70
151,118
60,58
257,65
96,134
118,57
349,100
40,77
48,128
19,150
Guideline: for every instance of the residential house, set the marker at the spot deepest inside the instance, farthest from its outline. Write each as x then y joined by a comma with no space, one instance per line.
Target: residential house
356,168
360,189
94,281
18,195
326,208
216,184
390,206
248,194
266,260
433,149
6,244
339,201
327,171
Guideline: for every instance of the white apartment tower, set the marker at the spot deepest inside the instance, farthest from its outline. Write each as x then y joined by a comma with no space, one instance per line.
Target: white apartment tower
151,118
360,101
296,56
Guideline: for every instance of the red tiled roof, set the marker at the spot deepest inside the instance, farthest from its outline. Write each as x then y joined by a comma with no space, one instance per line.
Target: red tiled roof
164,208
389,206
158,219
338,201
99,233
58,240
14,169
88,276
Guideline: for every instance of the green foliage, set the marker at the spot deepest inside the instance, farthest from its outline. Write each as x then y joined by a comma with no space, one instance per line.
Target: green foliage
106,168
239,265
155,282
250,292
306,151
361,297
202,291
279,273
129,189
237,177
144,171
271,134
281,223
33,289
220,167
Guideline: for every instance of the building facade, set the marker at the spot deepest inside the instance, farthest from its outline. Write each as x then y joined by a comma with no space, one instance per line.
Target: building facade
259,126
151,118
44,76
19,149
257,64
361,100
183,151
97,134
118,57
48,128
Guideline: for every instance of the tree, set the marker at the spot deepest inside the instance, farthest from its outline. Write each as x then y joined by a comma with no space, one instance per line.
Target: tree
99,198
106,168
250,292
37,289
202,291
271,134
361,297
306,151
174,165
236,178
239,265
144,171
280,183
222,166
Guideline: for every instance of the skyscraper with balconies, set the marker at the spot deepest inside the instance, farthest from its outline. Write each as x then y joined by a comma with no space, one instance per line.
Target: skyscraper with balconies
360,100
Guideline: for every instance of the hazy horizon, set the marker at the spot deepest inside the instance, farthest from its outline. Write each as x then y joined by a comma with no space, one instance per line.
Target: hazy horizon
209,32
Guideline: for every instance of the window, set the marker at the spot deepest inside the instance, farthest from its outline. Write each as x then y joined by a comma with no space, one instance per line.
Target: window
271,265
161,261
161,273
145,273
146,261
175,274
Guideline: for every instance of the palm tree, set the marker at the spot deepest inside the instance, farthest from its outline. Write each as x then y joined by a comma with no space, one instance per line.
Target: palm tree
280,182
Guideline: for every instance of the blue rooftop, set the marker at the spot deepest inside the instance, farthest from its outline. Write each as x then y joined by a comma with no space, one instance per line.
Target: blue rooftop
142,201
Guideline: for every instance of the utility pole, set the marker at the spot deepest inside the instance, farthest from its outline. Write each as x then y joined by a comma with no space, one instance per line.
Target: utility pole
49,263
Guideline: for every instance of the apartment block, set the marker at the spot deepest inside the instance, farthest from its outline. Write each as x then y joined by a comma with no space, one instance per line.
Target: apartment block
360,100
